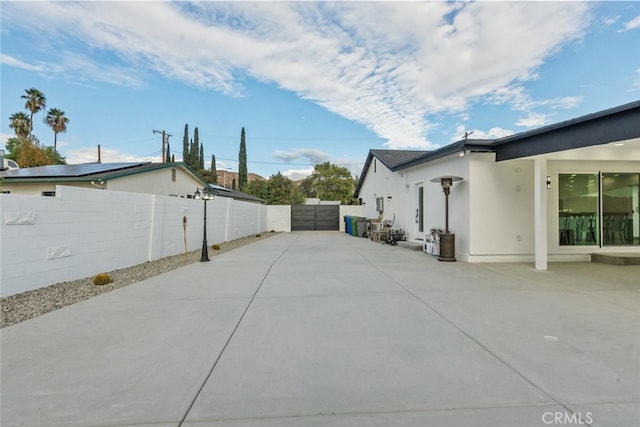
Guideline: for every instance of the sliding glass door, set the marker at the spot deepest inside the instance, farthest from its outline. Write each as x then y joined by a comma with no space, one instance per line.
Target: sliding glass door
579,208
599,209
620,209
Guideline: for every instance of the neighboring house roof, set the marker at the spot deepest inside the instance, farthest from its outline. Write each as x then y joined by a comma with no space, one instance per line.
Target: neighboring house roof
86,172
234,194
614,124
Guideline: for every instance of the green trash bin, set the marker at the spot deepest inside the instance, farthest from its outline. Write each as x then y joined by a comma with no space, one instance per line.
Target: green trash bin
358,226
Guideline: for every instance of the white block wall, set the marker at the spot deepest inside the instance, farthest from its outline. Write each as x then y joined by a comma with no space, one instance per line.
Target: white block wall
82,232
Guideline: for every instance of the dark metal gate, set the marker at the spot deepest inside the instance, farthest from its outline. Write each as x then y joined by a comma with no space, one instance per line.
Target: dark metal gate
315,217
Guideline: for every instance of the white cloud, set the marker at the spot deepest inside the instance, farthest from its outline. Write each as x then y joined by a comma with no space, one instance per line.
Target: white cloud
14,62
532,120
297,174
387,65
313,155
493,133
632,24
107,155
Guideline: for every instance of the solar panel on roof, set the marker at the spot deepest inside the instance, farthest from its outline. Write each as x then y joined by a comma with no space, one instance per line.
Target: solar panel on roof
60,171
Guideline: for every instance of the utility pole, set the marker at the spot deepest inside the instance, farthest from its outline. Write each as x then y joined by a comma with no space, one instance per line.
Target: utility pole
165,139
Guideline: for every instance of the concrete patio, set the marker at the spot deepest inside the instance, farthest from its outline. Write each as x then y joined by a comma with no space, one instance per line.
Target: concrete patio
324,329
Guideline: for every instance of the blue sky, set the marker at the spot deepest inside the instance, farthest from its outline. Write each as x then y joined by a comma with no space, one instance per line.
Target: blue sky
311,81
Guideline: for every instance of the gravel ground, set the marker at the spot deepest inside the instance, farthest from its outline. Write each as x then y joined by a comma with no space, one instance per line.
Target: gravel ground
27,305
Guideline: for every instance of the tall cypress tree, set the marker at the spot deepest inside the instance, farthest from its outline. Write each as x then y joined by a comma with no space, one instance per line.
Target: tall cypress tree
201,157
242,167
168,156
195,153
185,145
214,171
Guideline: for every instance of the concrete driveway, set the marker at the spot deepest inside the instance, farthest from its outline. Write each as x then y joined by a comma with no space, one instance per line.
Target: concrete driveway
325,329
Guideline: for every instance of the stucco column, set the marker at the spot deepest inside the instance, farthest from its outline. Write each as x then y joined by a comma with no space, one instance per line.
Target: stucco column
540,213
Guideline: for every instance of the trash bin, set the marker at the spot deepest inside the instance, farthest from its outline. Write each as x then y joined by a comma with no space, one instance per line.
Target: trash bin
348,225
361,226
354,226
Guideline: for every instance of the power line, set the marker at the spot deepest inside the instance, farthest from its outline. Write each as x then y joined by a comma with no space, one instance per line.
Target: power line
289,164
165,139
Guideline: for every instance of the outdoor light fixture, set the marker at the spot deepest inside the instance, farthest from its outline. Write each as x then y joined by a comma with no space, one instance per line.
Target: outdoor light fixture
205,195
447,239
548,182
389,197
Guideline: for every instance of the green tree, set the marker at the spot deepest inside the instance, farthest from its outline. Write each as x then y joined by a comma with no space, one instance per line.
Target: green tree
214,171
242,165
330,182
34,102
28,154
201,158
185,145
57,121
21,124
277,190
168,156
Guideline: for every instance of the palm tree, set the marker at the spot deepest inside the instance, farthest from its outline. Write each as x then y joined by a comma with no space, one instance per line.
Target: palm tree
35,101
21,124
57,122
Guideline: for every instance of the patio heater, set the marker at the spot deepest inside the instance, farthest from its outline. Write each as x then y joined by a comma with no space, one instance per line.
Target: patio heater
447,239
205,195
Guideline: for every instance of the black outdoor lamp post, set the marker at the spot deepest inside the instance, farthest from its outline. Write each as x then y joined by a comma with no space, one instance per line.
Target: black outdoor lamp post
447,239
205,195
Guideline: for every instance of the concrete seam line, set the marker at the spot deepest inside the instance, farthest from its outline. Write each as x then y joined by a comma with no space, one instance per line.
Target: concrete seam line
465,333
226,344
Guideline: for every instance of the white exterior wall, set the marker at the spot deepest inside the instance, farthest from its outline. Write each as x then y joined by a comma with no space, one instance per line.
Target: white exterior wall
279,218
501,214
151,182
434,198
379,182
157,182
37,189
81,232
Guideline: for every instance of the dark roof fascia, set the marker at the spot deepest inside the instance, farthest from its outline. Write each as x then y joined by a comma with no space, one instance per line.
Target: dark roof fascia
234,194
603,127
473,145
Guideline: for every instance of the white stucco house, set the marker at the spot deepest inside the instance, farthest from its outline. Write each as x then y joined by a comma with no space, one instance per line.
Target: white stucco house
557,193
167,179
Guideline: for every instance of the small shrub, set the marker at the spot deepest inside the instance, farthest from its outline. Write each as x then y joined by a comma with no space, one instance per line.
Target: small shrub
273,231
102,279
215,247
257,235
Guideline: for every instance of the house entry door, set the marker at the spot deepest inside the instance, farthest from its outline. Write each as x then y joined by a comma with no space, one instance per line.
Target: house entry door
420,212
